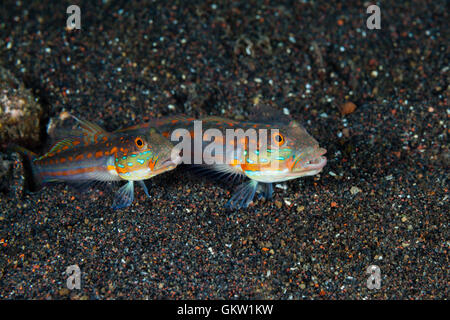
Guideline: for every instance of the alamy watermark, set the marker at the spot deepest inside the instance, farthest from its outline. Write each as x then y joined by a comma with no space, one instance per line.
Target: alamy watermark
74,279
236,147
374,20
374,280
74,19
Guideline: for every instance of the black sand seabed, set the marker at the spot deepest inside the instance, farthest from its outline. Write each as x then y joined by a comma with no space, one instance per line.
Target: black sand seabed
381,200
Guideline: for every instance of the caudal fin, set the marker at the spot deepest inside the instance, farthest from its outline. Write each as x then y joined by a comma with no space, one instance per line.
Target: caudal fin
32,176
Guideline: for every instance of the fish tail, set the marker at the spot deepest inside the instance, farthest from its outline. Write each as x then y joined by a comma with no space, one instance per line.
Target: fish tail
32,175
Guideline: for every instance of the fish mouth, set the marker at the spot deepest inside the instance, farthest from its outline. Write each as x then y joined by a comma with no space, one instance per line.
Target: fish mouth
314,165
167,165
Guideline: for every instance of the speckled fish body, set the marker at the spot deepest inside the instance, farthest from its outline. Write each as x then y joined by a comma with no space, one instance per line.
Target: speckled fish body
290,152
96,155
108,160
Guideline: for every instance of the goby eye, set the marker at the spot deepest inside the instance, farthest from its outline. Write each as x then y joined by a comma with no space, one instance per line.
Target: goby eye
139,142
278,139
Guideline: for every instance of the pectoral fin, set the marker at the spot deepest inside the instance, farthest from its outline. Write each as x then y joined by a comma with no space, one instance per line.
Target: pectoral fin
142,184
125,196
243,195
266,191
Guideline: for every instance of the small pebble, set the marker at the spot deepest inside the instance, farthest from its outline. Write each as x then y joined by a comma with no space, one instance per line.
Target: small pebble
354,190
347,108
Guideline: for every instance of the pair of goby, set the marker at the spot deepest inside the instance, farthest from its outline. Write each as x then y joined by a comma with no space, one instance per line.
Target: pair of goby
143,151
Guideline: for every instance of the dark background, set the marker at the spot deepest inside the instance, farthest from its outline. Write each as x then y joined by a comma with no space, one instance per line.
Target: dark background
133,61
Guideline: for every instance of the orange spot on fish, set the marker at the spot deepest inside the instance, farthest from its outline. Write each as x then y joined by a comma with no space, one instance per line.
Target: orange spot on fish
113,150
89,155
256,166
62,160
151,164
235,162
76,142
98,154
121,170
79,157
290,163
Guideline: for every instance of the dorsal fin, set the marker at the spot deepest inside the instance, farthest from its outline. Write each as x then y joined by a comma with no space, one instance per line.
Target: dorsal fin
59,146
214,118
62,143
91,132
265,113
158,123
90,127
